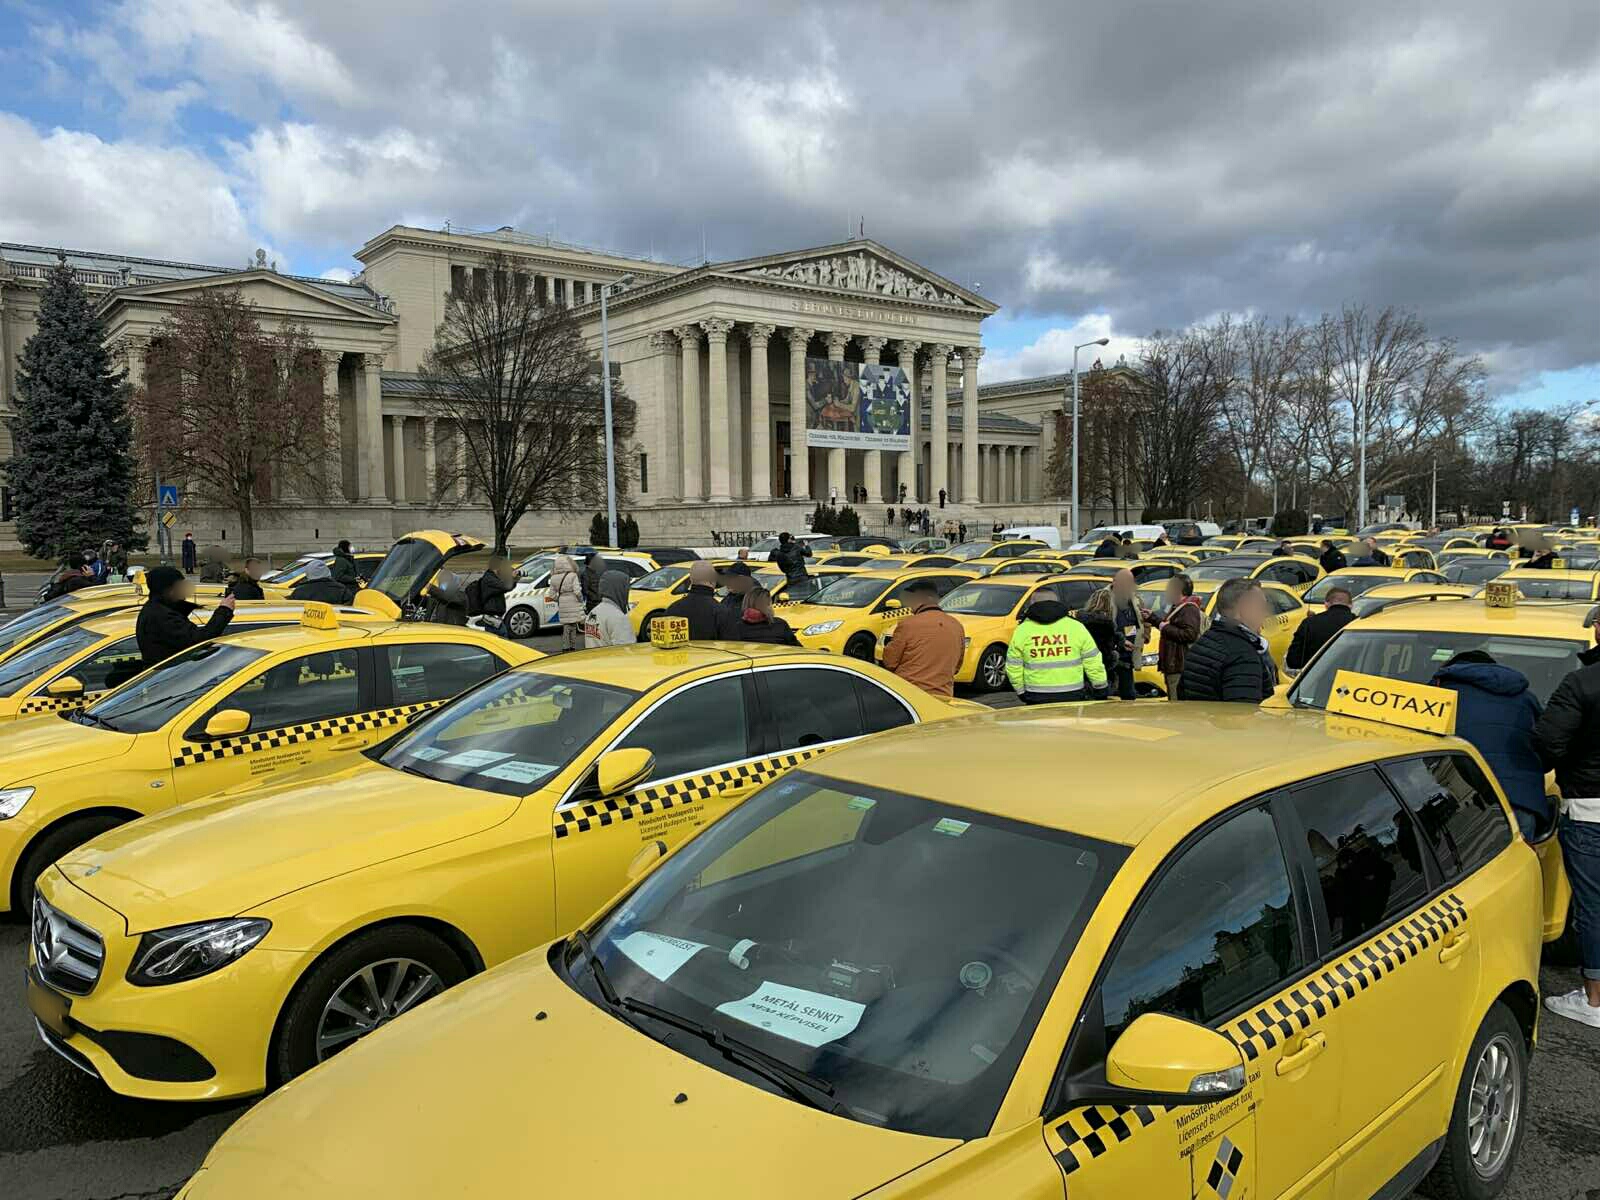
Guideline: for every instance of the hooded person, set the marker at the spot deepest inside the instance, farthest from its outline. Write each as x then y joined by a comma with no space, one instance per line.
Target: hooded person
344,568
164,628
709,619
607,622
1052,657
320,585
486,595
1498,713
757,624
594,571
216,568
565,591
447,599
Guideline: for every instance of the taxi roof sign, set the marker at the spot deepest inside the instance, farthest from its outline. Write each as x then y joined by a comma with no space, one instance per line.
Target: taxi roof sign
317,615
1393,702
669,632
1500,593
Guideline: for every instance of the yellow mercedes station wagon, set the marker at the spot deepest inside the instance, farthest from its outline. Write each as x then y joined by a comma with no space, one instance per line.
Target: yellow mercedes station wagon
1290,955
210,950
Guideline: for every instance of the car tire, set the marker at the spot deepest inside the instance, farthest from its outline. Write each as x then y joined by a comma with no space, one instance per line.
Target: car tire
991,673
521,623
1499,1051
296,1043
861,646
55,843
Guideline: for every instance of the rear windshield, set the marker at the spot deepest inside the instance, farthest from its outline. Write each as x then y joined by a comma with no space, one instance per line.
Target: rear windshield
1317,593
1417,655
1475,570
1554,589
658,581
406,568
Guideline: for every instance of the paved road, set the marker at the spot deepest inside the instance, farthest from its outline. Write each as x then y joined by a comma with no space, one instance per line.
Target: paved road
65,1137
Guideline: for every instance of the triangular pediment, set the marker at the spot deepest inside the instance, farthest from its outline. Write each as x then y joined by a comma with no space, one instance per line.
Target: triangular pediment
266,289
860,267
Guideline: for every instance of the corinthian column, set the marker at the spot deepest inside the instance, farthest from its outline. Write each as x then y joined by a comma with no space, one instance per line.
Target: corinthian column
908,458
430,460
837,461
721,421
969,423
369,423
799,455
872,473
694,485
760,415
939,435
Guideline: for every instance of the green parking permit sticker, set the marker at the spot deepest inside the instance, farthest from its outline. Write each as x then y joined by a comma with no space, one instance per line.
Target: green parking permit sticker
1441,654
951,827
860,803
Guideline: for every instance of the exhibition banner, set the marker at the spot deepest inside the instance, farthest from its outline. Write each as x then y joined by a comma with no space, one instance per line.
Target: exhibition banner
857,406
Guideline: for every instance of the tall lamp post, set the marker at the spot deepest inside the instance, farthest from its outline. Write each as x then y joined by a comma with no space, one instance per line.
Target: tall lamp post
605,389
1077,532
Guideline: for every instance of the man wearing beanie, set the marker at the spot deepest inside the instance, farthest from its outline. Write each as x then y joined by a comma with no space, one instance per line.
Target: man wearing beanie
164,627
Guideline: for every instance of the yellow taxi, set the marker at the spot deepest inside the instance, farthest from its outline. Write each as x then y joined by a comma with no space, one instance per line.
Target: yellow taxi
1233,543
1359,579
1288,955
295,572
1549,584
1452,554
1010,548
230,943
849,616
24,630
990,568
1292,571
395,589
1419,557
1286,612
1070,557
1143,570
1409,642
220,715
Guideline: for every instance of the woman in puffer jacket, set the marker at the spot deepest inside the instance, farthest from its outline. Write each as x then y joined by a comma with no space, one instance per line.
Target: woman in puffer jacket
566,592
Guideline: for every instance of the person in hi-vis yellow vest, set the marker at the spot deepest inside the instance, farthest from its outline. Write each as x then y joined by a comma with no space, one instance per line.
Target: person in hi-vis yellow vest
1052,657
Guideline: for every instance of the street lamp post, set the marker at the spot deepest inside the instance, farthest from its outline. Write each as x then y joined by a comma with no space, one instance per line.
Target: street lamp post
1076,524
605,390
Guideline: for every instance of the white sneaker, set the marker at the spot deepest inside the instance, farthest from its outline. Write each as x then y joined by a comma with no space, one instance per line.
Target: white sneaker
1575,1006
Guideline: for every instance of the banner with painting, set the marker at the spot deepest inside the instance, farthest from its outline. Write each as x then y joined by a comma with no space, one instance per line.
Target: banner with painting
857,406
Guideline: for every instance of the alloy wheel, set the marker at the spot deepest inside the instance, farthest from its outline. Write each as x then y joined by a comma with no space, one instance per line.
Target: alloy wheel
520,623
1494,1106
992,670
375,995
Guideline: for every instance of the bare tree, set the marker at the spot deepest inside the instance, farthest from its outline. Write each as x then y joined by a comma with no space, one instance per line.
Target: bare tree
1266,360
524,396
1184,381
236,413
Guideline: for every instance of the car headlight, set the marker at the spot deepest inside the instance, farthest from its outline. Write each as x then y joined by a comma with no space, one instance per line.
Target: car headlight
190,951
820,628
1149,660
12,800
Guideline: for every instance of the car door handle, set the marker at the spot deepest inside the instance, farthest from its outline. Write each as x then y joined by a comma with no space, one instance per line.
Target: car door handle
1312,1045
350,742
1455,947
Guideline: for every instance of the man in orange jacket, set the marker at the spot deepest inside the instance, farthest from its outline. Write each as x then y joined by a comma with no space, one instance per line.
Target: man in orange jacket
927,646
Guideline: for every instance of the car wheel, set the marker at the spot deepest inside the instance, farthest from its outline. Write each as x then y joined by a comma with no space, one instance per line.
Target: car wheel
1486,1123
522,623
46,849
860,647
358,986
991,673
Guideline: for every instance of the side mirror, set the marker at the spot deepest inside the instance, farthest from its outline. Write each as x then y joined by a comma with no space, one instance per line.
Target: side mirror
649,854
66,686
230,722
1177,1060
891,605
1280,697
622,769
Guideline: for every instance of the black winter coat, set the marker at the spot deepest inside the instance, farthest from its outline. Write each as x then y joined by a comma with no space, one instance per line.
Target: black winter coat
1568,734
1227,663
709,619
791,560
1332,559
1314,632
774,631
245,588
344,570
492,592
164,629
1106,639
328,591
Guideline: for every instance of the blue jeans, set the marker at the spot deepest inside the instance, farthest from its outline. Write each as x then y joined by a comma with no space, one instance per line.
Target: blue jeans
1580,850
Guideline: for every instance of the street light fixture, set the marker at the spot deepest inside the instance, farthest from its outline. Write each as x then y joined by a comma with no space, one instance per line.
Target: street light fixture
1076,528
605,389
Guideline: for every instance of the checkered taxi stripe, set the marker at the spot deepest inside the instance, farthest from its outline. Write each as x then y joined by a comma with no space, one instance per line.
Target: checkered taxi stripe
1087,1133
44,704
581,818
295,735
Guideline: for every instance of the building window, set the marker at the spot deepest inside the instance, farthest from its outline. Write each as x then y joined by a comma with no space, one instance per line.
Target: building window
480,281
644,473
458,281
560,291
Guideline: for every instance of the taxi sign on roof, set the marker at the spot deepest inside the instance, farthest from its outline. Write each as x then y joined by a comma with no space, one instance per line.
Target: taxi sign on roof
317,615
1393,702
1499,593
669,632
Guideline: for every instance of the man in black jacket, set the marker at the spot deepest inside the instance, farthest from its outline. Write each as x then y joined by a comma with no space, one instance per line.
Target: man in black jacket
790,557
1568,739
320,584
164,628
709,620
247,584
1332,558
1315,631
343,567
1372,555
1230,661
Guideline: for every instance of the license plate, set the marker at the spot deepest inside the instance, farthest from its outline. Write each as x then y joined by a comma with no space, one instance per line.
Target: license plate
49,1006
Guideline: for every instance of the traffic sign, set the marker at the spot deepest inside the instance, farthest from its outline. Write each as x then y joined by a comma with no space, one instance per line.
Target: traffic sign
168,497
169,519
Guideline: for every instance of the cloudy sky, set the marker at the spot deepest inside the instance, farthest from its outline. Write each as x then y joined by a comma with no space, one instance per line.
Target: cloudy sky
1095,169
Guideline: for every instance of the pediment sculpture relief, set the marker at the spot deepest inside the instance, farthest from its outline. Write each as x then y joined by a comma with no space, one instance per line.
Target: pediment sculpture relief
859,273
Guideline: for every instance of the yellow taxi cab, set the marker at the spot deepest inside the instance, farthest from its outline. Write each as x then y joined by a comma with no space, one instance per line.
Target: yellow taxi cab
1009,548
849,616
1233,543
1550,584
1452,554
1070,557
77,665
27,628
1419,557
1286,612
1409,642
1288,955
395,589
990,568
1359,579
295,572
236,936
662,588
1292,571
1143,570
220,715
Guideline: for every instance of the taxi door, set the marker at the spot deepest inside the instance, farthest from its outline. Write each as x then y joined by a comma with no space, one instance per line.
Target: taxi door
303,706
1288,611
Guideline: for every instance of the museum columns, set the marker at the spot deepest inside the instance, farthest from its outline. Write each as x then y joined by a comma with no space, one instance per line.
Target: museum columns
760,414
799,455
694,487
908,458
720,424
837,341
369,426
872,469
939,435
969,423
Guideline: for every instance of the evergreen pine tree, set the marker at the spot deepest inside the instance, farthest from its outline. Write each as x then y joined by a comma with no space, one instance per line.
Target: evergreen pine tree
71,471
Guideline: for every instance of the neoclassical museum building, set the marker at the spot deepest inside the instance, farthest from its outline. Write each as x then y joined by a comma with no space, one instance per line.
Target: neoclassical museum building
713,355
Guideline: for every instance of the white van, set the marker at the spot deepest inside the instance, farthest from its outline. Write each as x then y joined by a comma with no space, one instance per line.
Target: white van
1139,533
1048,534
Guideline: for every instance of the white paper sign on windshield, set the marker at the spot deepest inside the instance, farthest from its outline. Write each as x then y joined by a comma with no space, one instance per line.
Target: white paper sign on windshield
518,770
810,1018
657,953
476,758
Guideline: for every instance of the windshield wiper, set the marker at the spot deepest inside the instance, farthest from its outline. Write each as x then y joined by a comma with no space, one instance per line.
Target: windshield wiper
805,1087
602,980
84,714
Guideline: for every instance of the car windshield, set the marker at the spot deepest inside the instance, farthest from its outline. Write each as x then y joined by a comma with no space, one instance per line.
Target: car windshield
1317,593
1416,655
18,672
851,591
536,565
160,694
982,599
510,733
1224,568
658,580
28,625
294,568
968,550
407,566
898,949
1544,588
